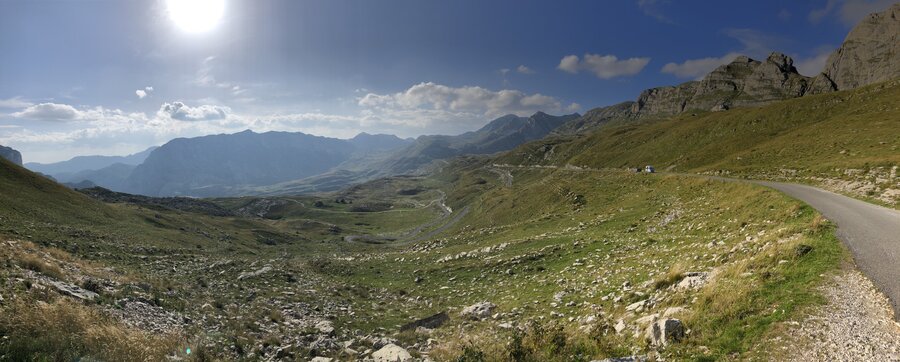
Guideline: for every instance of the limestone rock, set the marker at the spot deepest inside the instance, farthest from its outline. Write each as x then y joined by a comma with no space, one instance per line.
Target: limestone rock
665,332
624,359
391,353
741,83
692,280
255,273
73,291
868,54
478,311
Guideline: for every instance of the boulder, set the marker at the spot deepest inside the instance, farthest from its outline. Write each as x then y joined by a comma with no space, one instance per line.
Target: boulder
321,359
636,307
391,353
73,291
478,311
255,273
325,327
665,332
692,280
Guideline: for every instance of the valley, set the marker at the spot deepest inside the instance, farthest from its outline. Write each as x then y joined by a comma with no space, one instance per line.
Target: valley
749,214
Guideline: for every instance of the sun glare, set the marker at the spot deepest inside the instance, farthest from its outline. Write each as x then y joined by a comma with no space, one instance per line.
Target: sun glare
196,16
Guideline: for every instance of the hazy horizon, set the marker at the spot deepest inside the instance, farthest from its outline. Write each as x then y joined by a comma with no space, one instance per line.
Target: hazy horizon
113,78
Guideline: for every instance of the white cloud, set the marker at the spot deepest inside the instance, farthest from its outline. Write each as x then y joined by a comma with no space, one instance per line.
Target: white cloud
437,108
754,44
183,112
524,70
141,93
814,64
52,112
849,12
603,66
423,108
697,68
14,102
653,9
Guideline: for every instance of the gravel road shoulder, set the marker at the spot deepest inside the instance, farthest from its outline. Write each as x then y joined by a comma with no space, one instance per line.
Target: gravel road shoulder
856,324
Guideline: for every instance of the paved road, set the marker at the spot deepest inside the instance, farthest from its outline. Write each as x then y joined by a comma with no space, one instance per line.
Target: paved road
871,232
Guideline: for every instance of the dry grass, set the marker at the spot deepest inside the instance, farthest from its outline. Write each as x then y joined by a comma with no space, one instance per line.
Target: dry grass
674,275
66,331
35,263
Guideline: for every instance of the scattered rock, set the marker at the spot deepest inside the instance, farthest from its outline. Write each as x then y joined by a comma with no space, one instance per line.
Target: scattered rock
692,280
478,311
636,307
255,273
325,327
391,353
73,290
624,359
665,332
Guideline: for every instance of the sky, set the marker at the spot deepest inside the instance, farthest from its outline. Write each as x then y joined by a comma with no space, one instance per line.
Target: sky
115,77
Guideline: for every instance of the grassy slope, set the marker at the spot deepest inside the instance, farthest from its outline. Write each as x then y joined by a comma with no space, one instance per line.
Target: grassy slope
587,233
584,233
815,135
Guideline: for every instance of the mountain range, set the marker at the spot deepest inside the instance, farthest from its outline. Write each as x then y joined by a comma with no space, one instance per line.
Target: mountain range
282,162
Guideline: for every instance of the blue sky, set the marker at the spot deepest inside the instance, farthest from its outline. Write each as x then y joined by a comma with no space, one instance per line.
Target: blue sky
114,77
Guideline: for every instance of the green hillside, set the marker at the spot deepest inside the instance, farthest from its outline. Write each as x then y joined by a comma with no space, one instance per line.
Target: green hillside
821,136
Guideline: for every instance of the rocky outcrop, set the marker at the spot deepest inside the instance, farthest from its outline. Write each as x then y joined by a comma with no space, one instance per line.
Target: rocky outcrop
665,332
11,155
391,353
868,54
597,117
743,82
478,310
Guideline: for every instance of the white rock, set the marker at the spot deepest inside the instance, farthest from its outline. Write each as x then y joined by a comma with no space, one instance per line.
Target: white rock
478,310
665,332
391,353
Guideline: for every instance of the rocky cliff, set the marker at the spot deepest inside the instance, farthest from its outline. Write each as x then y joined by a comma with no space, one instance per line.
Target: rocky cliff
743,82
11,155
869,54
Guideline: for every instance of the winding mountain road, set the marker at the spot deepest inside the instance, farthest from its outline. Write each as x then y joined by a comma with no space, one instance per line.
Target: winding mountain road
871,232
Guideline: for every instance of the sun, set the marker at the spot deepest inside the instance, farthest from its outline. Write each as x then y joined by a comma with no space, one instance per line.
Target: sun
196,16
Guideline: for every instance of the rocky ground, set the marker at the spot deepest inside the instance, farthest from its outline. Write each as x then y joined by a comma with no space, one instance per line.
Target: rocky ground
856,324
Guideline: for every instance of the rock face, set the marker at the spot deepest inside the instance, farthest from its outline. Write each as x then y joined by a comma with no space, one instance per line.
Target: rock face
478,310
11,155
73,291
743,82
665,332
391,353
868,54
597,117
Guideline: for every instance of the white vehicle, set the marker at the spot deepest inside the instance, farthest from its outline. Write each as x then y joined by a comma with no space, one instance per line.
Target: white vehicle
649,169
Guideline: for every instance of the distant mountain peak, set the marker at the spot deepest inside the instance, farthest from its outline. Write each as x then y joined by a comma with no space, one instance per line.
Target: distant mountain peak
10,154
